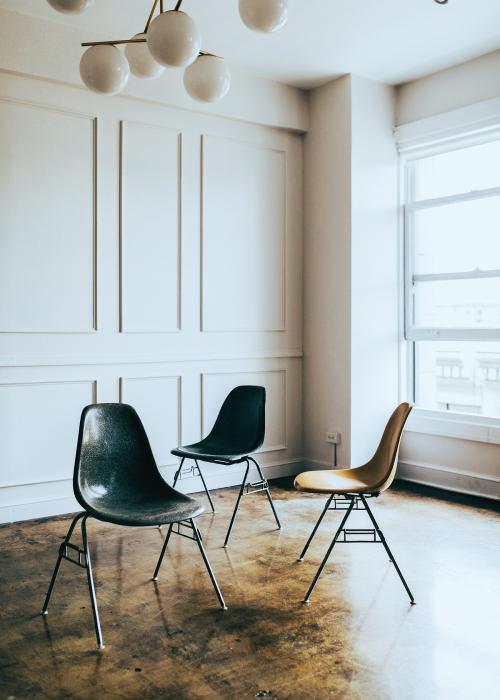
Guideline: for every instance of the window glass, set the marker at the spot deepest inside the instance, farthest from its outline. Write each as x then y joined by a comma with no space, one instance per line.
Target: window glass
457,304
459,171
458,237
461,377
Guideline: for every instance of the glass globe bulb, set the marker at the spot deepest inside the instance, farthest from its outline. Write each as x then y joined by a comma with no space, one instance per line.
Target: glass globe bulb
104,69
69,6
139,58
264,15
207,79
174,39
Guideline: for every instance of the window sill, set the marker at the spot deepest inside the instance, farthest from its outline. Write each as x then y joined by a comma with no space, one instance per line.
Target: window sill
455,425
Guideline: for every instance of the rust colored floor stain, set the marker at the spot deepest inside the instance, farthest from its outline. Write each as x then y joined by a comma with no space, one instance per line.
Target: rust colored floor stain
358,639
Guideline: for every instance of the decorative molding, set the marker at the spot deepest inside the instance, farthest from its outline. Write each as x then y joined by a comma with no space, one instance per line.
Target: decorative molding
248,144
178,134
449,479
281,371
133,359
93,119
46,383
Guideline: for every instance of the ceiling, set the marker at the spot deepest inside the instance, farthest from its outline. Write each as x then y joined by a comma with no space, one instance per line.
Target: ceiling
388,40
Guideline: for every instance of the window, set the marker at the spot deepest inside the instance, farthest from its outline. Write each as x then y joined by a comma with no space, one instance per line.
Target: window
452,276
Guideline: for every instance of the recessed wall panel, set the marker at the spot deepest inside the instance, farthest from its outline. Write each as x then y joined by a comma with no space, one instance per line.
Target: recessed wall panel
39,429
243,236
47,220
157,400
150,228
216,386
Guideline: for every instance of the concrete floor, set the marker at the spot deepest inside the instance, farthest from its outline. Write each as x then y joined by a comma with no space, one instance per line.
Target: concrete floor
359,637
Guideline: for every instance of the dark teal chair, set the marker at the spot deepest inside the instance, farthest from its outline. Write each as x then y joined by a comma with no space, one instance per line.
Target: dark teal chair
238,431
116,480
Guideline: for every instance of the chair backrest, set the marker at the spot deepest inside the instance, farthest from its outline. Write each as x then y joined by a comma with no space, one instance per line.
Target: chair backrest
382,466
113,455
241,424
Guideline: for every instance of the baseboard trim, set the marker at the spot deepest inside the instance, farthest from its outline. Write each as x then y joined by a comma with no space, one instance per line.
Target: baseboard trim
26,503
450,480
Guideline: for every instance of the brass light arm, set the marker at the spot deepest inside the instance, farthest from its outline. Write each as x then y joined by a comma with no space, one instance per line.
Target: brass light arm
113,43
150,16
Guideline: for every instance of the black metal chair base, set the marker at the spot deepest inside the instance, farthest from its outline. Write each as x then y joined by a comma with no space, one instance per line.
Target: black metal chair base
248,488
192,472
352,535
196,537
80,557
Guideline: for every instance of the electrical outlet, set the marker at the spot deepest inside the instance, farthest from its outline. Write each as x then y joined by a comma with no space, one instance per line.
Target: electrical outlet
333,437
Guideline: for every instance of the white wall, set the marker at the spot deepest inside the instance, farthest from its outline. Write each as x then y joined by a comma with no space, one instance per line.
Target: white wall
148,254
473,90
327,279
460,86
374,265
351,269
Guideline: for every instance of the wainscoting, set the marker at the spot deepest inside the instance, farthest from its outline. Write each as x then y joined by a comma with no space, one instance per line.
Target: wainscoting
148,255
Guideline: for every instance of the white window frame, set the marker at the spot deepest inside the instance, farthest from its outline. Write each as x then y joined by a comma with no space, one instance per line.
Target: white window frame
411,332
464,127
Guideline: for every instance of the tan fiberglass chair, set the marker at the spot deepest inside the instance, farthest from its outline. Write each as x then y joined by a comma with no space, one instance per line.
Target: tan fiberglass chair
349,490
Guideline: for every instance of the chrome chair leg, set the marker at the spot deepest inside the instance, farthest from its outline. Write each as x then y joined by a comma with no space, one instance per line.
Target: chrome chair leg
81,557
228,534
329,551
90,581
205,486
268,493
207,564
58,562
318,523
162,553
178,472
386,547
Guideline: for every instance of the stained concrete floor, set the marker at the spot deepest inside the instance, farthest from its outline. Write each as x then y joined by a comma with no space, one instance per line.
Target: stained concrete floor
359,637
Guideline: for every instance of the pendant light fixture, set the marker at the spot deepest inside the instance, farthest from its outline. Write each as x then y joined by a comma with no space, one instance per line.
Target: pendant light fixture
104,69
141,62
264,15
174,39
70,6
207,79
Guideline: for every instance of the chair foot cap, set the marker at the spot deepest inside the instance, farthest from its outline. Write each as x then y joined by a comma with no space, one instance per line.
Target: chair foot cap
224,607
44,612
306,601
413,602
154,578
224,546
101,646
300,559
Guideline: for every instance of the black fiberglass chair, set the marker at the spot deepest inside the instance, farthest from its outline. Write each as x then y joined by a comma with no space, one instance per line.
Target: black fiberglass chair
238,432
116,480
